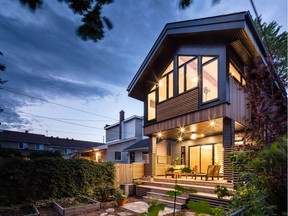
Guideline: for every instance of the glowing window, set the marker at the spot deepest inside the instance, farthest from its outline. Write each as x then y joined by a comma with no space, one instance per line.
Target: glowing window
234,72
187,73
151,106
210,81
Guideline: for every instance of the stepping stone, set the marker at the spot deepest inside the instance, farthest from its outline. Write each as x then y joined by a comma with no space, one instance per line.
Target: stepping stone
110,210
124,213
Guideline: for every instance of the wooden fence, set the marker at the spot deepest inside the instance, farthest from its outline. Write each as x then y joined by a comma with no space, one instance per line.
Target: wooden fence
125,173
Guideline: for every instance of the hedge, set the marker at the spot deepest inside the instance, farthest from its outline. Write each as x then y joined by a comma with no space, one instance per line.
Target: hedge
44,178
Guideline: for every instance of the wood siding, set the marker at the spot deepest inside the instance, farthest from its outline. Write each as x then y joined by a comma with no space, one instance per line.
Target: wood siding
237,109
180,105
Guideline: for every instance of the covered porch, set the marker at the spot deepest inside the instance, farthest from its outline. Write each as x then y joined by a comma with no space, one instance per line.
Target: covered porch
201,147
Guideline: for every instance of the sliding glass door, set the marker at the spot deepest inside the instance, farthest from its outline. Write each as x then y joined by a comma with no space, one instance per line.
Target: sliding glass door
200,157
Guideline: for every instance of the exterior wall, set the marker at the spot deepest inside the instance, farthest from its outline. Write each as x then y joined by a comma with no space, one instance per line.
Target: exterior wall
110,153
129,128
112,133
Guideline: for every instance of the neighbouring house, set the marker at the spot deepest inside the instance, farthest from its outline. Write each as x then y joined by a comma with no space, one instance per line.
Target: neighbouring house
192,84
122,135
27,142
139,151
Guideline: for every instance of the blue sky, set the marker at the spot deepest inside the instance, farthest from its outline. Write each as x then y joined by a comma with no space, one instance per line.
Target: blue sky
46,60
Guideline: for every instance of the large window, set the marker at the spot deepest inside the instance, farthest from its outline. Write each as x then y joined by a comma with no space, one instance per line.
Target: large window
187,73
151,104
209,78
165,88
39,147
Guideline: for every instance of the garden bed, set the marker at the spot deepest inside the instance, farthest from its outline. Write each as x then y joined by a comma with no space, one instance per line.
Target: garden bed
76,206
23,210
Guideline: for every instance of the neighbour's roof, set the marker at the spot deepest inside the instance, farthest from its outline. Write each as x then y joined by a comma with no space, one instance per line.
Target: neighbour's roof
24,137
125,120
237,30
140,145
55,141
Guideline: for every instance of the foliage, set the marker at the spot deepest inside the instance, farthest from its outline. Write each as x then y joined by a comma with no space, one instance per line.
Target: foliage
119,195
153,208
222,191
199,207
2,68
183,4
276,43
219,211
186,170
262,179
9,153
46,178
39,154
137,181
90,11
170,169
268,103
73,202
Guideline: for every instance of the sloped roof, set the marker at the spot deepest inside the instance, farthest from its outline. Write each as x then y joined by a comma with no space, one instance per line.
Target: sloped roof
61,142
140,145
236,29
23,137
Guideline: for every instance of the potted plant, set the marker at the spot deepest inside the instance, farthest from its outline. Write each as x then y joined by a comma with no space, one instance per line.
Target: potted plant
120,197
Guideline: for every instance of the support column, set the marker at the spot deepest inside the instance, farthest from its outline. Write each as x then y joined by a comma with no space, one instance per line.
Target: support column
152,155
228,145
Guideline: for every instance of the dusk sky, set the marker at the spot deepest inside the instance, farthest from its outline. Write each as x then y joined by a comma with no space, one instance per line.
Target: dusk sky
59,85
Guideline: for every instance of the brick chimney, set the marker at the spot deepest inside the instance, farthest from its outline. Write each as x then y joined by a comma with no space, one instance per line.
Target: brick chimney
121,119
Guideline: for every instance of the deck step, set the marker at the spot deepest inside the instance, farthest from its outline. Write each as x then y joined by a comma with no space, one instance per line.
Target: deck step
167,203
179,199
198,188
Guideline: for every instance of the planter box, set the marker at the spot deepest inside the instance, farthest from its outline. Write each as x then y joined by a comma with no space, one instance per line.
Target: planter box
77,210
33,211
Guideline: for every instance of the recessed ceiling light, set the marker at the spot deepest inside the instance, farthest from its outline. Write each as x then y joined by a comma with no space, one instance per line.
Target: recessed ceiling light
182,129
159,135
212,123
193,136
180,139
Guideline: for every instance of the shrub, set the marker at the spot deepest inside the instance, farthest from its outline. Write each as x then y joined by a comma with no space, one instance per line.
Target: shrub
46,178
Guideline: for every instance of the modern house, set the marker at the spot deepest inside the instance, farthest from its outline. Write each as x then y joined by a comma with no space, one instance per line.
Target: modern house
192,83
27,142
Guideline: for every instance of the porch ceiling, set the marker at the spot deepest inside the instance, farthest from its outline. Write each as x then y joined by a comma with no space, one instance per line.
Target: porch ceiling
200,130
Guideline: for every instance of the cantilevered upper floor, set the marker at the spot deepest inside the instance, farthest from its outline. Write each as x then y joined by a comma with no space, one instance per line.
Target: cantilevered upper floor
195,71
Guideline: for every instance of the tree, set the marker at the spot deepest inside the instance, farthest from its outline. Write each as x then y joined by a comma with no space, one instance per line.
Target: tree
2,68
276,44
90,11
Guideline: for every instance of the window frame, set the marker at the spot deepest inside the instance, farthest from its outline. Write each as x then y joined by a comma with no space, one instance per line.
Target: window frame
116,152
184,65
242,81
155,94
214,58
23,145
39,149
167,76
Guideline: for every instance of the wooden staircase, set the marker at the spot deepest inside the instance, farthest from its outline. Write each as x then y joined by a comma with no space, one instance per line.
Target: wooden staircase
157,187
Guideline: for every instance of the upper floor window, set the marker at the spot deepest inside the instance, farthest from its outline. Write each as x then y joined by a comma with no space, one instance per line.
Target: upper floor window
235,73
151,104
165,88
187,73
209,78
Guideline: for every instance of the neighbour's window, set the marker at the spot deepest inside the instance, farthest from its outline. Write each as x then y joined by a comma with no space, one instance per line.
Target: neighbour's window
39,147
151,104
209,78
23,146
235,73
165,85
117,155
187,73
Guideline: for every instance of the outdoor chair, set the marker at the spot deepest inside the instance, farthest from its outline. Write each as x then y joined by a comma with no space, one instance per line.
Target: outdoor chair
212,171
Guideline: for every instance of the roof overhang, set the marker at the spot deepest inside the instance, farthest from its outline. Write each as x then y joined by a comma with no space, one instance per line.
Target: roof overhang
236,29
